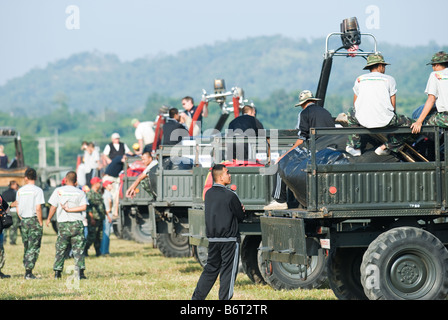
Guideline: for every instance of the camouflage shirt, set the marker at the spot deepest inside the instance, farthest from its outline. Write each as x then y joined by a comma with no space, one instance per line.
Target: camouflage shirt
96,205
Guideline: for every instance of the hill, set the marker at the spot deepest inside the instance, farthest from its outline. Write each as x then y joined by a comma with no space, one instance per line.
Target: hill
94,81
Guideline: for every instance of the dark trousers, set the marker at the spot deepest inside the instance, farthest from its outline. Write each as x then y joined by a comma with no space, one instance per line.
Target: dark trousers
223,258
279,190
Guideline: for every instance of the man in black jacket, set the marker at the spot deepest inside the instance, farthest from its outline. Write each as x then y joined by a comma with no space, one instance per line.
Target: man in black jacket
173,130
223,211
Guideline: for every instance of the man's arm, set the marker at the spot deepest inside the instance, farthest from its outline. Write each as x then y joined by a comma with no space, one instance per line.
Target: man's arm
393,101
39,214
50,215
130,193
417,125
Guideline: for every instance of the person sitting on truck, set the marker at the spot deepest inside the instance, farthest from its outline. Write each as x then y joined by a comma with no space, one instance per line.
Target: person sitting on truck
311,116
437,91
151,165
374,106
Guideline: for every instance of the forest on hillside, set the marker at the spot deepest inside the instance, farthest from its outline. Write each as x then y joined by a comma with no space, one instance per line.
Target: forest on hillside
90,95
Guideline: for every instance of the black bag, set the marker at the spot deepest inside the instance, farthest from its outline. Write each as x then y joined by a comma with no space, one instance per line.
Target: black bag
5,220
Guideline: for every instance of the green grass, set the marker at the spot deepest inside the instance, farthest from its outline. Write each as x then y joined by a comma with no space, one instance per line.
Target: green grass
133,271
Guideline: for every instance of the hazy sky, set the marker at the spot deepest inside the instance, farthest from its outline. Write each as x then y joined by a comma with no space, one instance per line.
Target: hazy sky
36,32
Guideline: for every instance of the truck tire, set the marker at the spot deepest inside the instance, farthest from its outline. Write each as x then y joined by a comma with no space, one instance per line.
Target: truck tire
249,258
200,254
405,263
344,273
290,276
140,231
173,245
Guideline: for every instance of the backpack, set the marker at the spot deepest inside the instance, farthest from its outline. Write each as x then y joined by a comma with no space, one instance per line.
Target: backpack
5,218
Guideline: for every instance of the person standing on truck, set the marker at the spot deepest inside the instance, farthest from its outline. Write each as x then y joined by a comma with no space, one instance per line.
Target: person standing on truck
30,199
311,116
69,202
223,211
173,130
374,106
245,125
144,133
437,91
190,110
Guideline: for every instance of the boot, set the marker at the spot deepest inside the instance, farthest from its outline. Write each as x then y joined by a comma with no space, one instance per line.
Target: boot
4,276
29,275
81,274
57,274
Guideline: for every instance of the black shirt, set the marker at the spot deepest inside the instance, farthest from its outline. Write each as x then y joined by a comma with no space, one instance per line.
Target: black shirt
247,124
313,116
173,131
223,211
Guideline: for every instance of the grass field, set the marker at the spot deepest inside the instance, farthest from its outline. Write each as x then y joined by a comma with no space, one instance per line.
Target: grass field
133,271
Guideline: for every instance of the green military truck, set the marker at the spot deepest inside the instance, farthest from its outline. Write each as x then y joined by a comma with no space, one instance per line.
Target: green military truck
161,215
395,245
253,183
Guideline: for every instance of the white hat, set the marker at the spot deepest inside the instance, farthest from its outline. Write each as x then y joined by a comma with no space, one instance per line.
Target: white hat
115,135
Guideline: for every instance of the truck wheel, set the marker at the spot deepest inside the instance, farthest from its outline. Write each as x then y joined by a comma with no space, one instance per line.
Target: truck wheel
141,230
173,245
249,259
288,276
344,273
405,263
200,253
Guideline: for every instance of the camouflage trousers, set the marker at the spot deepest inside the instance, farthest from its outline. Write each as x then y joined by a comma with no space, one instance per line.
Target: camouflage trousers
439,119
31,237
393,142
70,233
94,236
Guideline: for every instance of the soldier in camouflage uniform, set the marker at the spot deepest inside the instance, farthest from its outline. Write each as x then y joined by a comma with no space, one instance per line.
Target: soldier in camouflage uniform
96,212
437,91
30,199
69,202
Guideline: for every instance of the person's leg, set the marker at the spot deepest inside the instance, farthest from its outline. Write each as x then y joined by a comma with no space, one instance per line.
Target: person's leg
229,269
210,272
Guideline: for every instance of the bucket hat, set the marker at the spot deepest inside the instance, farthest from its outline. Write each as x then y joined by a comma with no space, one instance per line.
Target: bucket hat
304,96
373,59
439,57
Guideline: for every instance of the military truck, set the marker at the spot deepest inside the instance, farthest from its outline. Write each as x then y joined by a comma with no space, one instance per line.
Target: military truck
16,167
381,220
161,216
397,248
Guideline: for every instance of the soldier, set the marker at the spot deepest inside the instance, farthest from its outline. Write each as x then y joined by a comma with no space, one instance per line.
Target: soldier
30,199
69,202
374,106
437,91
95,216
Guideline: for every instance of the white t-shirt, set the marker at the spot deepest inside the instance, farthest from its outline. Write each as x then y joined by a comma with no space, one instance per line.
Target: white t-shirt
150,166
29,197
91,160
438,86
373,106
73,197
145,132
